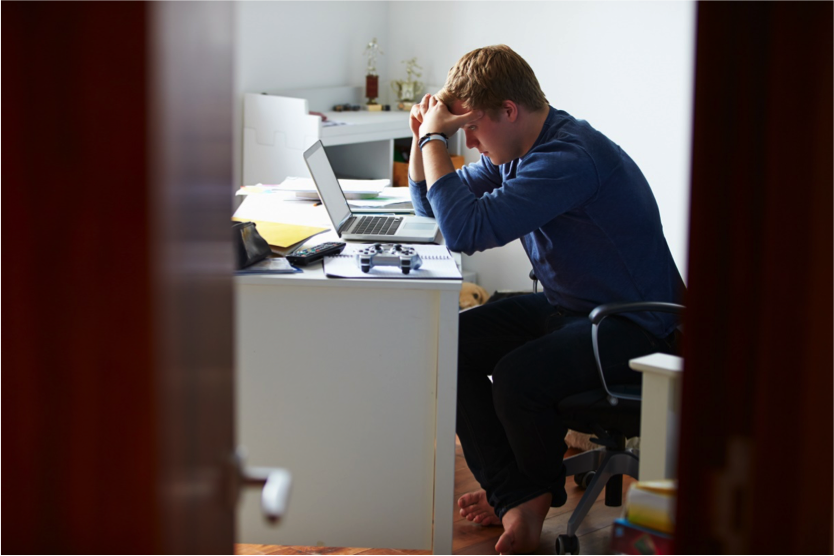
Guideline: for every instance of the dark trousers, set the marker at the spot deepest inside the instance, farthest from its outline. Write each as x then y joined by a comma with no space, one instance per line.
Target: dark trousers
537,354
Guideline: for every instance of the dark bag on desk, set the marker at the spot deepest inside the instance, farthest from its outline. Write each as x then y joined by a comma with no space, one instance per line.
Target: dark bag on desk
250,247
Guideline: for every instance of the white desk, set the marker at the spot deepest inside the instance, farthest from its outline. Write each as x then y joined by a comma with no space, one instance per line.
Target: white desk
659,414
350,385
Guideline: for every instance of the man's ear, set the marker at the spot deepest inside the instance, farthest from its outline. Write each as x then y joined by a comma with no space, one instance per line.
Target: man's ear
510,110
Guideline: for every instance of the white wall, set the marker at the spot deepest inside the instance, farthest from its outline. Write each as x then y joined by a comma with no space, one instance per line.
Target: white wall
296,45
626,67
289,45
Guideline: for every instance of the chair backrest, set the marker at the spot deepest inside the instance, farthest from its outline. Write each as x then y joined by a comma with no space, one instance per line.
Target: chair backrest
613,408
600,313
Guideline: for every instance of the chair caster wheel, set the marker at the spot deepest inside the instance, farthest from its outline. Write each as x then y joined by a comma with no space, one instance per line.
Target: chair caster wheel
583,480
567,545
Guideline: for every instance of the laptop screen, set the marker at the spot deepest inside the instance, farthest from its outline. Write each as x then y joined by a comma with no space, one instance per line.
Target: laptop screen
328,186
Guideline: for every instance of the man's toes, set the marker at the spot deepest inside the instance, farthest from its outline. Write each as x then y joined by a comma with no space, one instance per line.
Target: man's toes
477,517
487,519
467,500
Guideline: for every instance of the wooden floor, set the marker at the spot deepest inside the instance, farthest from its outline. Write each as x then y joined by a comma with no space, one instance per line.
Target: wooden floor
469,538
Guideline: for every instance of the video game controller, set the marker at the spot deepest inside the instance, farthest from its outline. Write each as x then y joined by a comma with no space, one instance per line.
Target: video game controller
388,254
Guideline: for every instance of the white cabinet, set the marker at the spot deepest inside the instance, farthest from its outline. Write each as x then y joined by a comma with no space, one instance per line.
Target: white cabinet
350,385
659,414
278,128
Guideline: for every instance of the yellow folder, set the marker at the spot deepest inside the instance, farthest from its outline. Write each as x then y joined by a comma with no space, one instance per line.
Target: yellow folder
283,235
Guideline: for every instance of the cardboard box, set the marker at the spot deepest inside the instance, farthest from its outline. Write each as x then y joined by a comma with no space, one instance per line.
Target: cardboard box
401,171
400,174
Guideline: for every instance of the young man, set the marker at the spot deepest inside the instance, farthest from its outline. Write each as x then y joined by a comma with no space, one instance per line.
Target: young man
591,228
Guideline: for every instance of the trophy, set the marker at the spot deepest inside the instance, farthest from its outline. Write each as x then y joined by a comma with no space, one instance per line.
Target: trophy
372,77
408,90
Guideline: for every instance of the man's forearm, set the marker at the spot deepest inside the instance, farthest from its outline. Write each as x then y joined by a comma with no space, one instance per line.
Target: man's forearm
436,161
415,161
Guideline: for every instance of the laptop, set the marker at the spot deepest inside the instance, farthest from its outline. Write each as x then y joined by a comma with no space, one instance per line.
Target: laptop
353,226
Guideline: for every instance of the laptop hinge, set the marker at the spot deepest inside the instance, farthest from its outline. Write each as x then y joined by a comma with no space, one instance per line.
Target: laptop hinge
346,225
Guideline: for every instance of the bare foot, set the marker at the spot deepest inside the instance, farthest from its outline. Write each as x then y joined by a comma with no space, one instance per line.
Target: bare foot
523,526
475,507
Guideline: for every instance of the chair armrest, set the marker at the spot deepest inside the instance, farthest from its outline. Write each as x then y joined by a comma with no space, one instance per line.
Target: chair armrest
603,311
600,313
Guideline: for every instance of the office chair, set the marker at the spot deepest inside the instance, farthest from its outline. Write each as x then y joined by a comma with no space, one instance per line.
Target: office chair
612,414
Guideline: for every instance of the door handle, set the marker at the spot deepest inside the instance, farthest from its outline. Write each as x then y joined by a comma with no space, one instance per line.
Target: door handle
275,484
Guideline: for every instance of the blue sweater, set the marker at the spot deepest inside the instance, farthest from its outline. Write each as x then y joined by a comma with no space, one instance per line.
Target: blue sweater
583,210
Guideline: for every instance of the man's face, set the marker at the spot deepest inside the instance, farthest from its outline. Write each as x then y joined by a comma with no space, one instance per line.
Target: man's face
491,137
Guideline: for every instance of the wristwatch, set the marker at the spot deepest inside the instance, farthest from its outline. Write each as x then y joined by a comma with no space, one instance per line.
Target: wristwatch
434,137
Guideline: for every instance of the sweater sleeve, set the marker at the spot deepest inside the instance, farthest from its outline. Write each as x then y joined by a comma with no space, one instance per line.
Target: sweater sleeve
480,178
547,182
422,207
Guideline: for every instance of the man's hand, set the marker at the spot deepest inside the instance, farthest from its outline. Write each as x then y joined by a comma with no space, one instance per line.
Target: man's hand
415,119
436,117
432,116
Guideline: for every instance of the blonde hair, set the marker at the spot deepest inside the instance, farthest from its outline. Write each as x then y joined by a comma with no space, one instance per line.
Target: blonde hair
486,77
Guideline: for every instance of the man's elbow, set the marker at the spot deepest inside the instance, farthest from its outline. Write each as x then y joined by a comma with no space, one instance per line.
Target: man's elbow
458,245
420,211
469,243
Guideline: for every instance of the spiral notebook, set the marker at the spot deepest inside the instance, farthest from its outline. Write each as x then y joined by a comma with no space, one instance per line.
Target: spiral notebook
438,264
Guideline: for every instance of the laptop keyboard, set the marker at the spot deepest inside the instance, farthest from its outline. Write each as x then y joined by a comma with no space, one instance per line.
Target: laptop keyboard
376,225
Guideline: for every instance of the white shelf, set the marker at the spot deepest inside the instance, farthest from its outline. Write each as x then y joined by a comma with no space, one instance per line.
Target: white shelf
365,126
278,128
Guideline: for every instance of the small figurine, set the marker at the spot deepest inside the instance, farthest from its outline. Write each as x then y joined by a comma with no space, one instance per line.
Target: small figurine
409,89
372,77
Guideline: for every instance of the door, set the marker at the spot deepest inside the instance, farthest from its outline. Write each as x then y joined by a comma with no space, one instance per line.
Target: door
756,430
118,376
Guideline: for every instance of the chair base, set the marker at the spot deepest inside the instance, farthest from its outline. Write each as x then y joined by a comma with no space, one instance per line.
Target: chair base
606,463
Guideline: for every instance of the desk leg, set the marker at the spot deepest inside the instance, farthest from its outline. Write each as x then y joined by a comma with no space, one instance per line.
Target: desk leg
444,464
658,436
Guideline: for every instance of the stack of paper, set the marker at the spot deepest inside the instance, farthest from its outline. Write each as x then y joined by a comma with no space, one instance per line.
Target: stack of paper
281,235
283,223
390,199
256,189
353,189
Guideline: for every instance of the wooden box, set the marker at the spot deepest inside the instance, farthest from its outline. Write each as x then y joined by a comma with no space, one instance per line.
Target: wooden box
401,171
